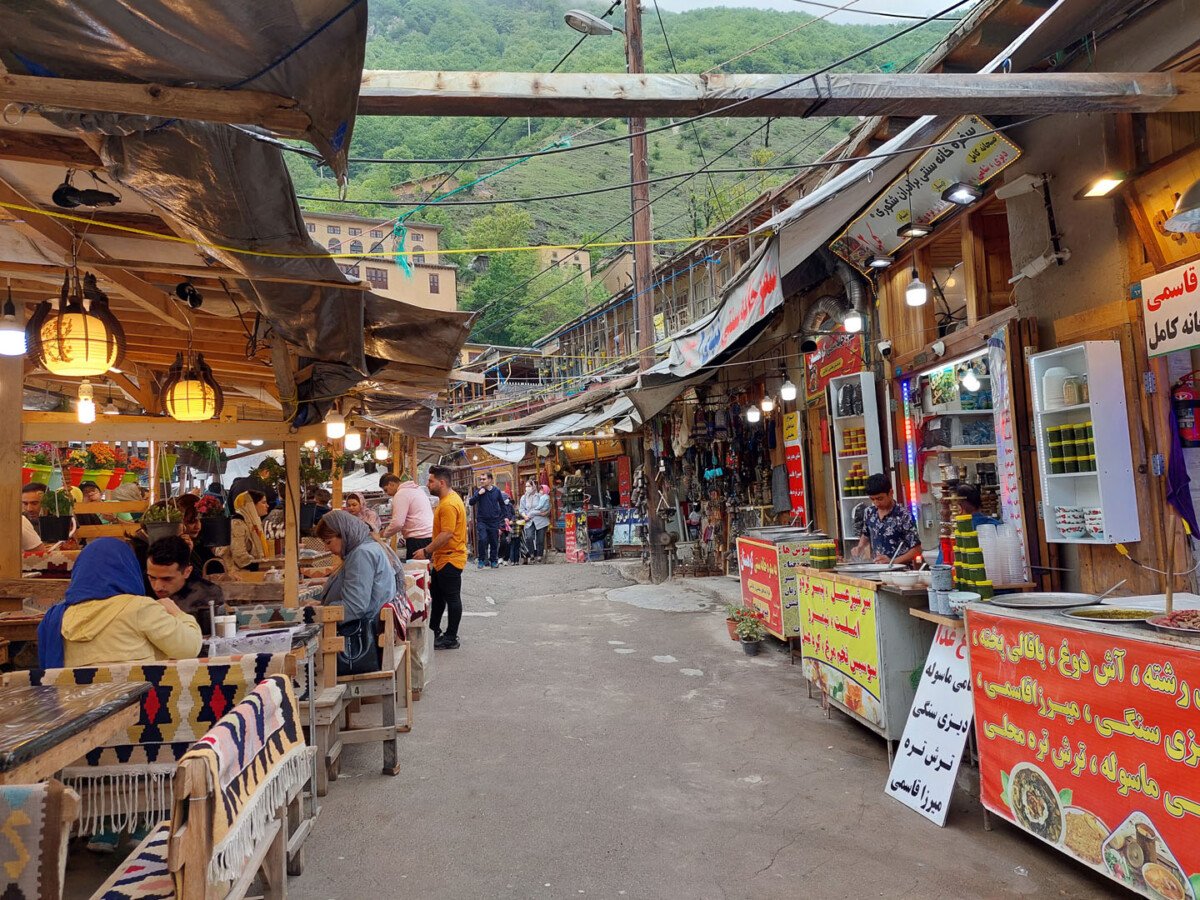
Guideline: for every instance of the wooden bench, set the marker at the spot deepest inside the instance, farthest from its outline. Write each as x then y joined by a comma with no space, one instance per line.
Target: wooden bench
37,821
126,782
221,835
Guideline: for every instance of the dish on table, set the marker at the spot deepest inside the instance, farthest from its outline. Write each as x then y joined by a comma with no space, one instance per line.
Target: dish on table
1136,855
1043,600
1181,621
1112,615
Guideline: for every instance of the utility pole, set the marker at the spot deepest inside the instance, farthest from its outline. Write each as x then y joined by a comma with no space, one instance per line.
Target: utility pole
643,271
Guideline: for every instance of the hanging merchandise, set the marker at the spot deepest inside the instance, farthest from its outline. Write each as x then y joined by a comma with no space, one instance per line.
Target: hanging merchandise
1185,398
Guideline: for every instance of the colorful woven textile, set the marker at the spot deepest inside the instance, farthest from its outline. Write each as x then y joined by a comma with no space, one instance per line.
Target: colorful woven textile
262,614
257,758
144,874
33,840
187,697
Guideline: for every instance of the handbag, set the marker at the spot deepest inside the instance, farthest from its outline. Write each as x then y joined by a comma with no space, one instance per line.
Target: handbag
360,650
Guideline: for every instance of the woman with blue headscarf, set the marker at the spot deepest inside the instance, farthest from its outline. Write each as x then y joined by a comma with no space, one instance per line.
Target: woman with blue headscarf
370,576
106,618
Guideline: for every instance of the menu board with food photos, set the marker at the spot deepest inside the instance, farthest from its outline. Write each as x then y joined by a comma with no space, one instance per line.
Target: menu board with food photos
1090,740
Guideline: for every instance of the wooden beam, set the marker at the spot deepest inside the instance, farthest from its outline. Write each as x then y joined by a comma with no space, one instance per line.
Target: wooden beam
64,427
409,93
237,107
291,524
47,149
62,237
143,395
285,377
260,392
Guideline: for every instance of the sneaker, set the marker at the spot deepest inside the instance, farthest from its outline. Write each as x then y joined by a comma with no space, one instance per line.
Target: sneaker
495,565
482,564
104,842
446,644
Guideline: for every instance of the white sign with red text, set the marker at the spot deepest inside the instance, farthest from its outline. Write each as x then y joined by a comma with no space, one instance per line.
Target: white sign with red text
1171,303
935,736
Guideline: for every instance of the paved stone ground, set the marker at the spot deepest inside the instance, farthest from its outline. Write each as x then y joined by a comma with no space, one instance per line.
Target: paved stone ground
598,738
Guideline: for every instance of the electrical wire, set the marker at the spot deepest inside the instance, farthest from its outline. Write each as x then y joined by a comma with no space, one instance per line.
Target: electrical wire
778,37
941,17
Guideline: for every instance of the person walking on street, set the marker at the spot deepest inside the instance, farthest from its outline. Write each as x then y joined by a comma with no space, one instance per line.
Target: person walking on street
448,550
489,516
412,513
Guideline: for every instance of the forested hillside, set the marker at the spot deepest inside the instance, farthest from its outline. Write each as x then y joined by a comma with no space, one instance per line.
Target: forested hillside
530,36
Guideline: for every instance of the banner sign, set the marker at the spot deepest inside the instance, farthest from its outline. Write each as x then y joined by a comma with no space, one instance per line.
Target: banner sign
1171,304
758,572
837,354
793,458
756,295
1091,742
839,649
970,151
926,763
624,480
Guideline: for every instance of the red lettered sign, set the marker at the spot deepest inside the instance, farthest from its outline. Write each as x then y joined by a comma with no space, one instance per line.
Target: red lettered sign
758,571
1091,742
624,480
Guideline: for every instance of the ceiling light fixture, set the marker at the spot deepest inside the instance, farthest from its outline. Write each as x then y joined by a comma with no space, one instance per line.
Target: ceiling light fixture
353,440
12,331
916,294
911,230
970,381
753,415
961,193
768,404
86,408
787,393
191,393
1102,185
78,339
382,452
335,425
68,196
880,261
853,323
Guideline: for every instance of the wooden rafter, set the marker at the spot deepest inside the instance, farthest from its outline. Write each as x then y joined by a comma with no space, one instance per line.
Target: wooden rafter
47,149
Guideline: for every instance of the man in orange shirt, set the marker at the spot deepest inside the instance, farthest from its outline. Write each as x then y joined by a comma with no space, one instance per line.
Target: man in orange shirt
448,550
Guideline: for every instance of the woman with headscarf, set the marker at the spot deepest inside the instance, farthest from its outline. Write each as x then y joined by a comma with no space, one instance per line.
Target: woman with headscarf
105,617
356,505
539,518
369,577
248,544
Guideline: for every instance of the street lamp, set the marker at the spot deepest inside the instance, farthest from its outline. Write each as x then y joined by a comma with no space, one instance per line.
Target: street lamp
586,23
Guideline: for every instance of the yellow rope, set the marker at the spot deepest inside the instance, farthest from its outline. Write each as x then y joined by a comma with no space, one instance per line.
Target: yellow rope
384,254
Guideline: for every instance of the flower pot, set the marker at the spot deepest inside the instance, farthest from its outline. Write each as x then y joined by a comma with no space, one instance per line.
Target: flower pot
348,467
751,647
129,478
215,531
370,467
114,481
54,528
158,530
74,476
190,458
26,475
731,624
37,473
327,465
100,476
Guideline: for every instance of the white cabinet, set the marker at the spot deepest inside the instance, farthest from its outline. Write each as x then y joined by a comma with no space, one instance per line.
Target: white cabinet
857,448
1082,432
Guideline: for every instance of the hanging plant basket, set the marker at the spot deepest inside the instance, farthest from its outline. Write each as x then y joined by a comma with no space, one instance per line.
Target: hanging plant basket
36,473
74,476
370,467
157,530
54,528
347,468
101,477
129,478
327,465
215,531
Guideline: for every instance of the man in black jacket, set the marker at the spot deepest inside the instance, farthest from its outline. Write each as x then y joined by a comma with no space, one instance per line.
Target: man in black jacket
489,513
170,574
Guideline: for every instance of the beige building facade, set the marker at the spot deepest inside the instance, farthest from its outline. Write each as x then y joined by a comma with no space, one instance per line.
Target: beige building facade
431,285
570,260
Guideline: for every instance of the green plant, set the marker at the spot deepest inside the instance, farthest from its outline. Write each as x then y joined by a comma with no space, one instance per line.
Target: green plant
163,512
750,627
270,471
58,503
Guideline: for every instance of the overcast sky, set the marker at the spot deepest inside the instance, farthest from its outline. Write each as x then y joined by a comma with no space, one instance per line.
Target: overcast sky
907,7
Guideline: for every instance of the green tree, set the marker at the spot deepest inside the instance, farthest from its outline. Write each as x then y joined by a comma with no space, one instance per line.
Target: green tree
501,291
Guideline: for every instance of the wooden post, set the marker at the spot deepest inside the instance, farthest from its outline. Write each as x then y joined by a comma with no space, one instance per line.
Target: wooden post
291,522
153,470
12,377
412,458
337,475
396,442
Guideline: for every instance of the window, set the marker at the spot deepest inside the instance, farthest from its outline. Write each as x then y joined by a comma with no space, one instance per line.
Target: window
333,229
418,258
311,227
434,286
351,271
335,246
376,233
356,247
377,277
354,231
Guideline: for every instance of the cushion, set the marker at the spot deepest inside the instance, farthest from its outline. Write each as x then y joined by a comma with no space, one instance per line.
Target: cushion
144,874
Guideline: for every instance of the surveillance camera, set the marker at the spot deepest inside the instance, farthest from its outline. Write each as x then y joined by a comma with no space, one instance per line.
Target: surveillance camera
938,348
1023,184
885,349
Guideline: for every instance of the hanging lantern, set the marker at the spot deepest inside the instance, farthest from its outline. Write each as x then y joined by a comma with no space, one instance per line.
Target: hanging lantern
382,452
80,338
353,441
335,425
190,393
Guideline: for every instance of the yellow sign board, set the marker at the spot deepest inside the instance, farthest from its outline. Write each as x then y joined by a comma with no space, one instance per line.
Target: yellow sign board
839,642
791,427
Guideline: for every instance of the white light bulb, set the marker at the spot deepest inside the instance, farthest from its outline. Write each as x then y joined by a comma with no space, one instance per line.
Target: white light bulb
353,440
335,425
916,293
12,337
256,443
853,322
753,415
788,391
768,405
310,444
382,452
970,380
86,408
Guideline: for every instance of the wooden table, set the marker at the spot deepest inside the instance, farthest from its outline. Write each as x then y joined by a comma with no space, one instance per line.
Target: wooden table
44,728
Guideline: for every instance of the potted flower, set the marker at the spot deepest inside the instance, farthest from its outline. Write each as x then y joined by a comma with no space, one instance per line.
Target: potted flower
100,464
134,467
325,459
36,463
270,471
346,462
370,464
214,524
734,612
751,631
162,520
55,522
76,461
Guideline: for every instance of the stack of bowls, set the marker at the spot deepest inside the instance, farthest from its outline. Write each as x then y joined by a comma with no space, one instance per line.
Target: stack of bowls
1070,521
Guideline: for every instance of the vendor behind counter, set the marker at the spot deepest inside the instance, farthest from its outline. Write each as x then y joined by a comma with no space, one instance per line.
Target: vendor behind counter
888,527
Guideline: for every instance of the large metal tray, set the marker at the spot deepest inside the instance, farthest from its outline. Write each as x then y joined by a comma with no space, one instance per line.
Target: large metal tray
868,568
1043,600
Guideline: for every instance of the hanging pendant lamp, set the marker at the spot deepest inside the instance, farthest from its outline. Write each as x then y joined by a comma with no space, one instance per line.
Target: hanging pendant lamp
190,393
81,338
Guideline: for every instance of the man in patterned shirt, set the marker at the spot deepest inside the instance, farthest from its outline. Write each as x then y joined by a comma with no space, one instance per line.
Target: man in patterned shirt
887,526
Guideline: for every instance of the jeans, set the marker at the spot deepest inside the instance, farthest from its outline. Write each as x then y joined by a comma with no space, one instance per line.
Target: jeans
514,548
487,549
539,542
446,588
412,545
